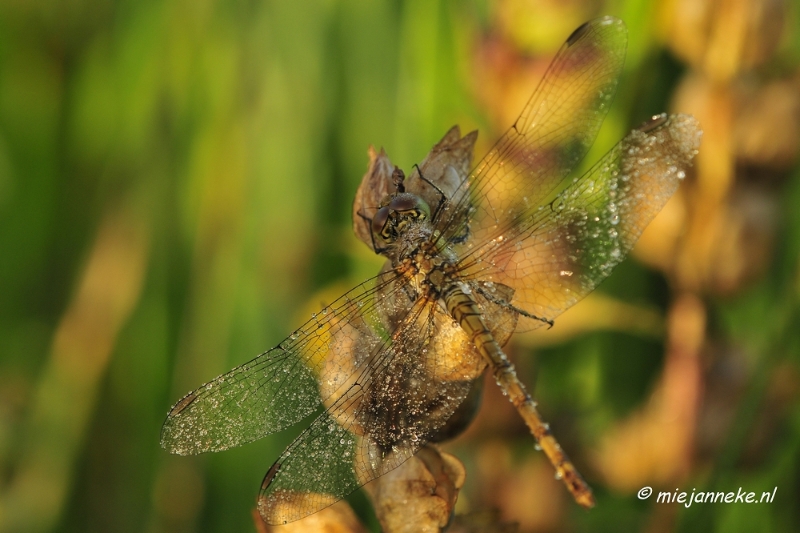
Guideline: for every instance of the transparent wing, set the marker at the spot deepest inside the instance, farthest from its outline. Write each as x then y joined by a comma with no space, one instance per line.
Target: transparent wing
548,140
281,386
394,403
552,255
390,369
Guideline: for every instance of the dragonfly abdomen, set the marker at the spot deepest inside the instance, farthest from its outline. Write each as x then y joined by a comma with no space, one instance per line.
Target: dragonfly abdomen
465,311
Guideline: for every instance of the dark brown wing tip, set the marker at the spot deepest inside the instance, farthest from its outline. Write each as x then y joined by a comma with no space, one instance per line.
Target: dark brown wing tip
182,404
271,473
583,28
575,35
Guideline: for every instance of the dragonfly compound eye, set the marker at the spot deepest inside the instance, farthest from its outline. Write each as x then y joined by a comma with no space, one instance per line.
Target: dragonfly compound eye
403,208
380,221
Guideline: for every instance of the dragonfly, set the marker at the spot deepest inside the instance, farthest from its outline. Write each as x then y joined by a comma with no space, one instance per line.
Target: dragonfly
471,257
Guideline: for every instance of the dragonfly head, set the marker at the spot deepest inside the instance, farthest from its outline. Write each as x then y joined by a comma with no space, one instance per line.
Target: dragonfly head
396,212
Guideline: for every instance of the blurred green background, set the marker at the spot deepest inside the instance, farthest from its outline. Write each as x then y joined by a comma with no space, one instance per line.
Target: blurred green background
176,181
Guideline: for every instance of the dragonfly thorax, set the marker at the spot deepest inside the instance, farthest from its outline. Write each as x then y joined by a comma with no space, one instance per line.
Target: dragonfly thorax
396,213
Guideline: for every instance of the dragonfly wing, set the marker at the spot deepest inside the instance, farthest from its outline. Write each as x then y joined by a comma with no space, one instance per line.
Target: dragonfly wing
561,251
394,404
548,140
281,386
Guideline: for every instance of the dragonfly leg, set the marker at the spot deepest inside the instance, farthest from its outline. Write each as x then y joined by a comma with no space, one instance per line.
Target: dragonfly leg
375,248
398,177
508,305
443,196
